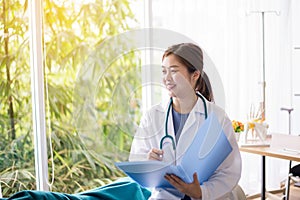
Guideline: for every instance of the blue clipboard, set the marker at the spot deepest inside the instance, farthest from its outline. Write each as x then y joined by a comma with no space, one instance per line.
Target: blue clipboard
208,150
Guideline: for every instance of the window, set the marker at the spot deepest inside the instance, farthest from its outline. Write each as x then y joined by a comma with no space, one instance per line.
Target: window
81,148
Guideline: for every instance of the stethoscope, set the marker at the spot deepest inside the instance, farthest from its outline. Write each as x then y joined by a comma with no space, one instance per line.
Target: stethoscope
167,136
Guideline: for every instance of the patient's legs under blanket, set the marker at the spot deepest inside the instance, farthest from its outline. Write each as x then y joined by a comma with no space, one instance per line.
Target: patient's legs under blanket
122,189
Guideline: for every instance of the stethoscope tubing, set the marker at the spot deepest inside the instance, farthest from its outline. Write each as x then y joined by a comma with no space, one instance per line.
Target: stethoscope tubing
167,136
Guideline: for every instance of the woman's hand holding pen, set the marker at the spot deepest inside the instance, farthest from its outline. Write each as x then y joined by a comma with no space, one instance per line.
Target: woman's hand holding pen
155,154
191,189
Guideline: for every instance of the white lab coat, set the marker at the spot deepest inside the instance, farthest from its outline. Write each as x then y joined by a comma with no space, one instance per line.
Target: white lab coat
152,129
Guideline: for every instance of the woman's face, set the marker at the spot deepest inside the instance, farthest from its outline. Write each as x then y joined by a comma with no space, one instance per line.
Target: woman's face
178,81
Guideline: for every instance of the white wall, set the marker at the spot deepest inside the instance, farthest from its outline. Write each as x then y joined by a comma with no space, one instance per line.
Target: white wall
230,31
296,66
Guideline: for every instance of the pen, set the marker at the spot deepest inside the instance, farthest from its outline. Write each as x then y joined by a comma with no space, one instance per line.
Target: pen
292,150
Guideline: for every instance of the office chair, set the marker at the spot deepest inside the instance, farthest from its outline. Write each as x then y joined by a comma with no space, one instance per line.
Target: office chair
295,171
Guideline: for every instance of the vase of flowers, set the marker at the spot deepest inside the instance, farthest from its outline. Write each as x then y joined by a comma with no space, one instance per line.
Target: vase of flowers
238,127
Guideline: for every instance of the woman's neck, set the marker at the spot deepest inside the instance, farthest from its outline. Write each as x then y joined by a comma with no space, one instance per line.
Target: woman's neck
184,105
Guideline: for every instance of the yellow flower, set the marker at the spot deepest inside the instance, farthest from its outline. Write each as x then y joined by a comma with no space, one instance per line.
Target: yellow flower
237,126
251,124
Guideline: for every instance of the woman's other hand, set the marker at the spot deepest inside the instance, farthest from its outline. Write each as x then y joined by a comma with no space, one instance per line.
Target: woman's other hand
155,154
191,189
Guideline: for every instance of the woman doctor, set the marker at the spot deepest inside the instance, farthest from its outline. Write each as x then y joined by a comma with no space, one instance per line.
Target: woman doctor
182,67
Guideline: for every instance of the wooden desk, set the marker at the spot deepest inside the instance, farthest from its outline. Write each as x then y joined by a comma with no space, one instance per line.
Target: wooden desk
271,152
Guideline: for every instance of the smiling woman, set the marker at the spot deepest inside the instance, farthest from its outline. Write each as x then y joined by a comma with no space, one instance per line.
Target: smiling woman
182,66
176,78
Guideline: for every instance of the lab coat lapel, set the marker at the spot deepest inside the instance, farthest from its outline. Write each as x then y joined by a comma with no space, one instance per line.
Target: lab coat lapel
189,122
171,126
171,131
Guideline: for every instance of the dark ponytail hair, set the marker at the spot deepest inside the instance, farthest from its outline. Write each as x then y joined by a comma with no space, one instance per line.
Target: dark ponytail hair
204,87
191,56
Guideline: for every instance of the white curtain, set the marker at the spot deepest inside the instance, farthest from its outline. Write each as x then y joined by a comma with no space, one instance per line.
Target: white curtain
230,32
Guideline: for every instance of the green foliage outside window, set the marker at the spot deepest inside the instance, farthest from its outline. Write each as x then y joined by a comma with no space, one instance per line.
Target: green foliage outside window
83,157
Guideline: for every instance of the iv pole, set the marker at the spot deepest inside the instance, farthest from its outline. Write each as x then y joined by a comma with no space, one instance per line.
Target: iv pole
263,103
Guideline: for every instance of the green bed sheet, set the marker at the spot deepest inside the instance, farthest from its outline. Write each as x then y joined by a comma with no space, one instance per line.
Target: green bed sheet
122,189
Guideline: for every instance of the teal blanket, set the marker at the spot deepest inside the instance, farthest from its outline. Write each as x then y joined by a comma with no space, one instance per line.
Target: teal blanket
122,189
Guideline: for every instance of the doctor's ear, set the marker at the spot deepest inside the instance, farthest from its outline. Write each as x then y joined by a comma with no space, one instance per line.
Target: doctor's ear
196,75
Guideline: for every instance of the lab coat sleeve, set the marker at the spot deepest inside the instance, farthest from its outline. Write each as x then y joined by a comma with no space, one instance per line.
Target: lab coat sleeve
226,177
140,145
